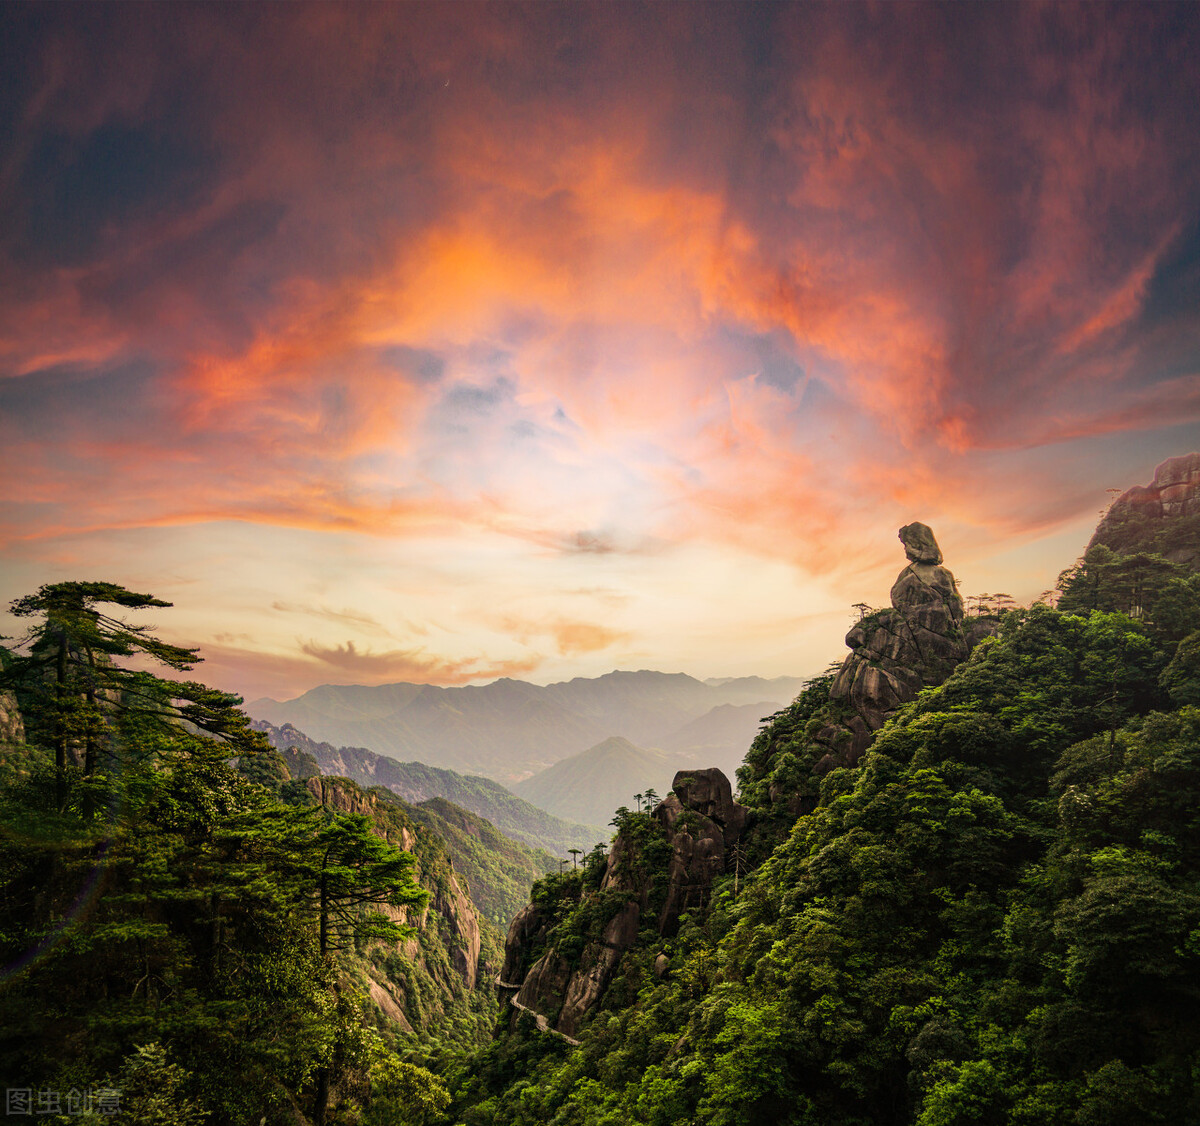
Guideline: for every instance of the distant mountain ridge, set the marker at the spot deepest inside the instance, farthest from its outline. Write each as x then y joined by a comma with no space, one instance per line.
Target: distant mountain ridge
417,783
592,785
510,729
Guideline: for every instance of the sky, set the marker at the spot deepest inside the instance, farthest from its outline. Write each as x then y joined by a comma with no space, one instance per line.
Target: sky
446,342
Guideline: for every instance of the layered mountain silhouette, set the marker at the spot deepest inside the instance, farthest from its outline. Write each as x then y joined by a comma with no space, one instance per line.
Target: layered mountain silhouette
418,784
511,729
592,785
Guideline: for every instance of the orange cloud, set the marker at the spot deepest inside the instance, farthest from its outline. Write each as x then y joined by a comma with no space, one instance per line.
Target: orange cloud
571,638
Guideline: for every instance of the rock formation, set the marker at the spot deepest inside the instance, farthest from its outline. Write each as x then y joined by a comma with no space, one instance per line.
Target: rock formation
12,726
1143,518
702,824
896,652
554,987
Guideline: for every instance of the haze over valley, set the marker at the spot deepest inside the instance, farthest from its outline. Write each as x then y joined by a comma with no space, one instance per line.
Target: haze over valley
511,729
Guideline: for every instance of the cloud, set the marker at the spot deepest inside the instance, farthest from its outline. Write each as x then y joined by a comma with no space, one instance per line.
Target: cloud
343,617
604,280
414,664
255,672
571,638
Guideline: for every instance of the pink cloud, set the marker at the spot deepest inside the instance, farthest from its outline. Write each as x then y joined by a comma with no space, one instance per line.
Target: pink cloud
952,226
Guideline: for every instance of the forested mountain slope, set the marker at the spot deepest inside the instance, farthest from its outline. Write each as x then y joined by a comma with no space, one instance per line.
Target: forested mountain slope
213,943
988,915
499,871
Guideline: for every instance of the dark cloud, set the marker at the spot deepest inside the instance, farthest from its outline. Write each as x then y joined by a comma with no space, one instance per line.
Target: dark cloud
414,665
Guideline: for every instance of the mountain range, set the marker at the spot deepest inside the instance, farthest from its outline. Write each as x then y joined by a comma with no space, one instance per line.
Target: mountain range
592,785
417,784
511,729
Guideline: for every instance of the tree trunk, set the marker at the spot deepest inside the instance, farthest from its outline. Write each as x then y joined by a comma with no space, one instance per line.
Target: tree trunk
89,754
322,1096
60,743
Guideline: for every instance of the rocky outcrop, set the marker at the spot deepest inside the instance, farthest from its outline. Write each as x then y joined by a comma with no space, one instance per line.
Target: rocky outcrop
703,824
553,987
455,907
596,967
545,985
383,997
12,726
526,933
896,652
1140,518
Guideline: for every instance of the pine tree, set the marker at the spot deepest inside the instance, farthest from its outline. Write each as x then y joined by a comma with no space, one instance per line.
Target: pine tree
76,691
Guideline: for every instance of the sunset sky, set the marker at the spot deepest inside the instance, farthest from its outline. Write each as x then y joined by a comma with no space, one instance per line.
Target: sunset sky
448,342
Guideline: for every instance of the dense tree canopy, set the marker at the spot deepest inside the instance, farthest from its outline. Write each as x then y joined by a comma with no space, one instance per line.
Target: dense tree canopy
993,918
170,928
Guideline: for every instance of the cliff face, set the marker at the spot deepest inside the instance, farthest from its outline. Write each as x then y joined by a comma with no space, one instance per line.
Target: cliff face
12,726
437,983
659,866
447,899
1163,516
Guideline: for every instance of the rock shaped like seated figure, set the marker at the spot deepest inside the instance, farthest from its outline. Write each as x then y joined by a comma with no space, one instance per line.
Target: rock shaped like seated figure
897,652
925,590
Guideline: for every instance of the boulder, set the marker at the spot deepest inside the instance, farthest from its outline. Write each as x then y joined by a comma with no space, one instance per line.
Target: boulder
709,793
702,823
919,543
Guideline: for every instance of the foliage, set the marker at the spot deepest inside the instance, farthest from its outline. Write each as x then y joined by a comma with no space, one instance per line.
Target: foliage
403,1094
1143,585
992,919
499,870
783,753
80,701
173,928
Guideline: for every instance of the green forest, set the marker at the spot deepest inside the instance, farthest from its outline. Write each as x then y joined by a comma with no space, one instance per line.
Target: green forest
992,916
